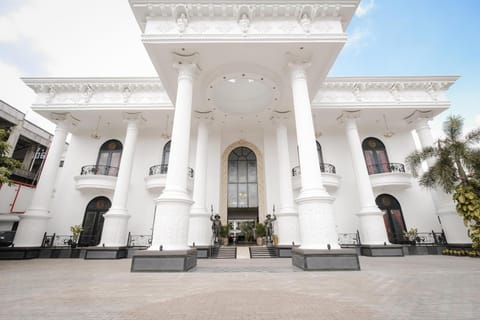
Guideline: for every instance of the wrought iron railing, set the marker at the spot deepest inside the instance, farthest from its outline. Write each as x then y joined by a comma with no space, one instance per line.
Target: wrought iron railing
60,240
385,168
163,169
324,168
139,240
99,170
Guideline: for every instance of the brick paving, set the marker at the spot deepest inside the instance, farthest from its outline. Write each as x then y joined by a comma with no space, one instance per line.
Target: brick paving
412,287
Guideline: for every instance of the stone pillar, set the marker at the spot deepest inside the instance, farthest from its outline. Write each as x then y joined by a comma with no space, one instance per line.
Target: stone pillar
13,138
372,226
452,223
33,223
200,231
115,226
170,230
315,213
287,216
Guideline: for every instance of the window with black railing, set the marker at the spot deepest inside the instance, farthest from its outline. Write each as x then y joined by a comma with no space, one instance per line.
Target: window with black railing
324,168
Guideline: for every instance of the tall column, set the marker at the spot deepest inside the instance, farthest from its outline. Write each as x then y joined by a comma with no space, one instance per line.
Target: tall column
33,223
115,226
372,226
452,223
316,220
200,231
170,230
287,216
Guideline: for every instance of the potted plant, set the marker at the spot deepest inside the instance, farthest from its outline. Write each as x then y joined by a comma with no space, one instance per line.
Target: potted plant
411,235
76,230
260,233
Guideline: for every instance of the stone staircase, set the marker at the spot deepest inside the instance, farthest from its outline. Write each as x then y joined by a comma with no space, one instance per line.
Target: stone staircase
263,252
224,253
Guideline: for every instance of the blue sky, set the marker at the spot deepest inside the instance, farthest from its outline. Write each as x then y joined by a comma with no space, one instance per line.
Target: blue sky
419,37
386,37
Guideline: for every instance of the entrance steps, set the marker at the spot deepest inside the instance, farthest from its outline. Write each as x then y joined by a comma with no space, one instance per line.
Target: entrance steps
263,252
224,253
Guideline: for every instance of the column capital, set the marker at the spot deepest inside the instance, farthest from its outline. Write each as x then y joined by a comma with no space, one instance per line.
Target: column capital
186,64
133,118
64,120
345,116
203,116
298,70
419,116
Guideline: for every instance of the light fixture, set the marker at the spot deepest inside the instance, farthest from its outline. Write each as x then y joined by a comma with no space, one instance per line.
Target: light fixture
96,134
166,135
388,133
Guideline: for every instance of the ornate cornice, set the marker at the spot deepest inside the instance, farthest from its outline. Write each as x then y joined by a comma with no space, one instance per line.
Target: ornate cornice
95,92
358,91
243,12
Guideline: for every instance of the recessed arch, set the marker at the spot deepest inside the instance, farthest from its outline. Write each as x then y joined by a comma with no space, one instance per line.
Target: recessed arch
376,157
392,217
109,156
93,221
260,178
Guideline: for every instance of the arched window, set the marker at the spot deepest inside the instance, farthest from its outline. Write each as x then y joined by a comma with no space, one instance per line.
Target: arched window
93,222
242,179
165,157
109,156
320,154
393,217
375,155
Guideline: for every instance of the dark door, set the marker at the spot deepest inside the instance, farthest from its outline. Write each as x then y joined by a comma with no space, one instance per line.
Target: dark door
93,222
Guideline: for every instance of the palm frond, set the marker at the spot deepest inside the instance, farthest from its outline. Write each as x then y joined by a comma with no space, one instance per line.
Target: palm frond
415,159
453,127
473,137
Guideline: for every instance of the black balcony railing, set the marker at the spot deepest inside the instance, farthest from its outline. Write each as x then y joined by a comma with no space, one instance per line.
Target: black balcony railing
139,240
324,168
385,168
99,170
163,169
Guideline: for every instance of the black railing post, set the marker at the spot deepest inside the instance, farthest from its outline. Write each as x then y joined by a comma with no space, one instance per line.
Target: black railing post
129,239
358,237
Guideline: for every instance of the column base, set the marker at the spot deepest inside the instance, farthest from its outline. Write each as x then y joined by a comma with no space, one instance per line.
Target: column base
381,250
164,261
203,252
325,260
19,253
31,228
115,227
106,253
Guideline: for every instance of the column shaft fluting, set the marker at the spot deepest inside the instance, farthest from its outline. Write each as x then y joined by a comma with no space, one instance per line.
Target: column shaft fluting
200,226
316,219
115,226
33,223
170,231
372,227
287,216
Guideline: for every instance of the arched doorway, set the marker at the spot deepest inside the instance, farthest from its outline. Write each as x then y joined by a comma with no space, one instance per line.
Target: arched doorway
93,222
393,218
108,160
242,194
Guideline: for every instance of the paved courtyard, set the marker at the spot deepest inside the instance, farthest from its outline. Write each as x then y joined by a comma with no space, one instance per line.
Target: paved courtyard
412,287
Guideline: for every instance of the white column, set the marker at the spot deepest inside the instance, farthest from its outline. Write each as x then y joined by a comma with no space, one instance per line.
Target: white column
200,231
315,213
452,223
33,223
287,216
170,230
13,138
372,226
115,226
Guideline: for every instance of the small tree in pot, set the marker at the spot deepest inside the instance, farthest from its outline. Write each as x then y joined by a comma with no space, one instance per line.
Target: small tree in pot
260,233
76,230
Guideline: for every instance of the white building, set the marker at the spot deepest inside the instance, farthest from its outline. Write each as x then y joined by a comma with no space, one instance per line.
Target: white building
242,101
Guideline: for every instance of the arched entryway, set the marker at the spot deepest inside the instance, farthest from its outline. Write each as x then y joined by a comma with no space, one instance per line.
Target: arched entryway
393,217
242,194
93,221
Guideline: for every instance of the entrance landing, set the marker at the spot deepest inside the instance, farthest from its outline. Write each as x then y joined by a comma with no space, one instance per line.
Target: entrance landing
243,253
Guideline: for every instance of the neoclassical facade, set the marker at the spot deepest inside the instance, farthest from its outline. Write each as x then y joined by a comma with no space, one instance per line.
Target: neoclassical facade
242,120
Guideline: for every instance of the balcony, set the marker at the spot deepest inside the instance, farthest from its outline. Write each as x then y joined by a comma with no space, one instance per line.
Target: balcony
330,179
93,177
389,177
157,176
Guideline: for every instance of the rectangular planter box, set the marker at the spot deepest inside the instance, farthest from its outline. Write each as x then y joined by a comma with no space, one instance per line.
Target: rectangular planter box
164,261
325,260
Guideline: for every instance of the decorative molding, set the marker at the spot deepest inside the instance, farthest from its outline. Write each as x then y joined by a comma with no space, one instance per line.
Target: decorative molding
118,93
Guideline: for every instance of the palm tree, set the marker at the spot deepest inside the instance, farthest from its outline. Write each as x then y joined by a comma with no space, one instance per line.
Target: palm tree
455,167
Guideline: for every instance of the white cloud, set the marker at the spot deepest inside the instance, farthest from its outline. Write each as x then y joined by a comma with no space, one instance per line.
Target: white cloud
14,91
365,7
80,38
